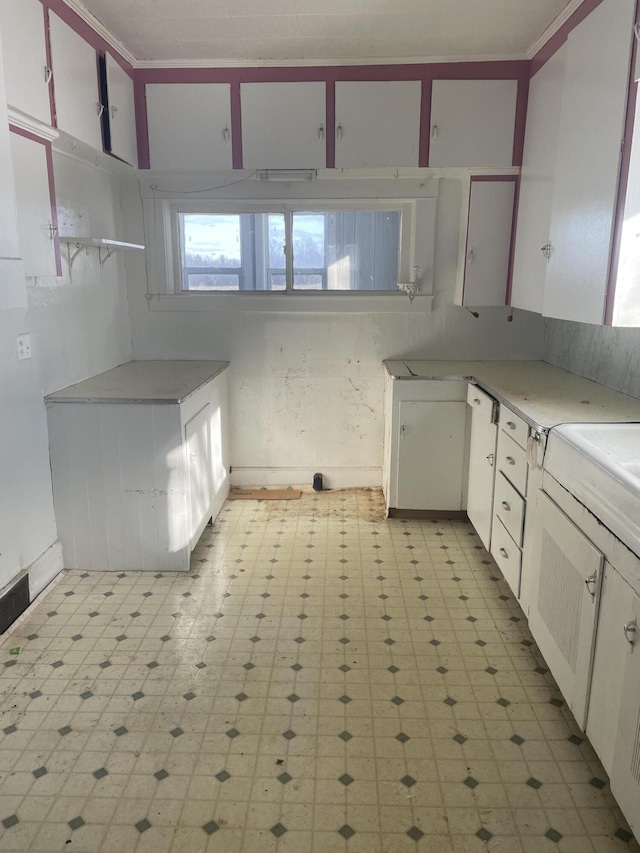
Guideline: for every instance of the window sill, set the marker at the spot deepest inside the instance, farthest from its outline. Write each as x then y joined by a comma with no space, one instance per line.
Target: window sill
308,303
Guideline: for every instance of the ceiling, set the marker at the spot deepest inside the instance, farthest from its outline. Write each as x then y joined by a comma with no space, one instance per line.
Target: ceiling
255,31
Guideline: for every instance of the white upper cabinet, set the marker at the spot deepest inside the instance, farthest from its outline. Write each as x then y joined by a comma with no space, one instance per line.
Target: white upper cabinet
283,125
472,122
377,123
588,160
122,114
189,126
488,249
536,184
25,59
36,227
75,79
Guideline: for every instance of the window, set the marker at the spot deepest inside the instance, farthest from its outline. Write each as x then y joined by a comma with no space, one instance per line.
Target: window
338,250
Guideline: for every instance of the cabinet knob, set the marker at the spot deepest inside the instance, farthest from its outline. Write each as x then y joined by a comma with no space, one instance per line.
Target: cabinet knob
590,583
510,460
505,506
504,553
476,401
511,425
630,630
491,457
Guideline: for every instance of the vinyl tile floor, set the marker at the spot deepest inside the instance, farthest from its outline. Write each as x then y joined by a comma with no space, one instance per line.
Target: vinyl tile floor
323,680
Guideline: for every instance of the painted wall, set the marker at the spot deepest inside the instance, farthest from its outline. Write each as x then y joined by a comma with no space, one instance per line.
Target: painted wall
306,389
607,355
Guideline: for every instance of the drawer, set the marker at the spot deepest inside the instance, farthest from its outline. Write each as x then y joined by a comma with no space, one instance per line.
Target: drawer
507,555
514,426
509,507
478,399
512,461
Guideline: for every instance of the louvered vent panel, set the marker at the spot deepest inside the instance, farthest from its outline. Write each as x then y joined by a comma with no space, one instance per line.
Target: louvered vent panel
560,599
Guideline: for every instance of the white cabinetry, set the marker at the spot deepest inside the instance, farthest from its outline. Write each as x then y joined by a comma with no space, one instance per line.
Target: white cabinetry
283,125
189,126
377,123
425,444
473,122
75,80
564,603
138,472
482,457
35,201
488,245
122,114
25,58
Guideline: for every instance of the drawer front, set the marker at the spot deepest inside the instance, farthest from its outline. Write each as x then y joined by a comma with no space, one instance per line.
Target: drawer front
509,507
507,555
477,399
514,426
512,461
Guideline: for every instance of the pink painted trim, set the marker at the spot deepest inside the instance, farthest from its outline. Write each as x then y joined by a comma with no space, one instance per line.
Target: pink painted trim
52,189
522,102
330,125
236,126
560,36
47,46
86,32
623,181
425,123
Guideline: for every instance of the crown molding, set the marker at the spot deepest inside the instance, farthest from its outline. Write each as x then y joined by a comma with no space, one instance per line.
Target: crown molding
101,30
553,27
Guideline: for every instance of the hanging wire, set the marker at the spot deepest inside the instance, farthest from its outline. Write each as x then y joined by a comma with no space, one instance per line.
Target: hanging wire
155,188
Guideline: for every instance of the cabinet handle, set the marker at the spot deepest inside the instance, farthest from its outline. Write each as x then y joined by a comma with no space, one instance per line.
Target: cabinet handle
471,256
52,231
504,553
505,506
114,110
48,74
99,109
321,133
339,131
510,460
435,130
476,401
630,629
226,135
491,457
511,425
546,250
591,580
403,429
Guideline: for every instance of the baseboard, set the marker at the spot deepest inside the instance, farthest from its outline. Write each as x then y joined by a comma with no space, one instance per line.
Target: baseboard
458,514
333,478
43,570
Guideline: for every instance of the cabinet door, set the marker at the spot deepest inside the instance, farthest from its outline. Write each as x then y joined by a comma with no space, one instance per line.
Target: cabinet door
36,212
24,54
625,773
283,125
488,242
482,459
75,80
122,114
197,438
536,184
564,603
588,160
430,455
377,123
473,122
189,126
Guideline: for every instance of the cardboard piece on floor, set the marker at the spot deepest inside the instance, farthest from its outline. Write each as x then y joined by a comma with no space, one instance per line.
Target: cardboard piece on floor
264,494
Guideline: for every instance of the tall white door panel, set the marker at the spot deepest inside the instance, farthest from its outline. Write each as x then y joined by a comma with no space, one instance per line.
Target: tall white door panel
24,55
377,123
473,122
122,114
75,80
33,199
482,461
283,125
564,603
536,184
430,455
189,126
488,242
588,159
199,466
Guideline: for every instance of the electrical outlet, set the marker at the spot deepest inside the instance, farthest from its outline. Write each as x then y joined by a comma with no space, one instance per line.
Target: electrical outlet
24,346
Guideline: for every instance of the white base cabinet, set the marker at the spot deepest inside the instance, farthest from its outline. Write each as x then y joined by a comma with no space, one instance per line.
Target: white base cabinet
135,483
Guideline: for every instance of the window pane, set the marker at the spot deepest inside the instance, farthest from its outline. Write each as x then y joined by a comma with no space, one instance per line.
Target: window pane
346,250
232,252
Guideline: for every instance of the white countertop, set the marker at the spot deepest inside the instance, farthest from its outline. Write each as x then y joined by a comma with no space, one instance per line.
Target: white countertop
543,395
142,382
